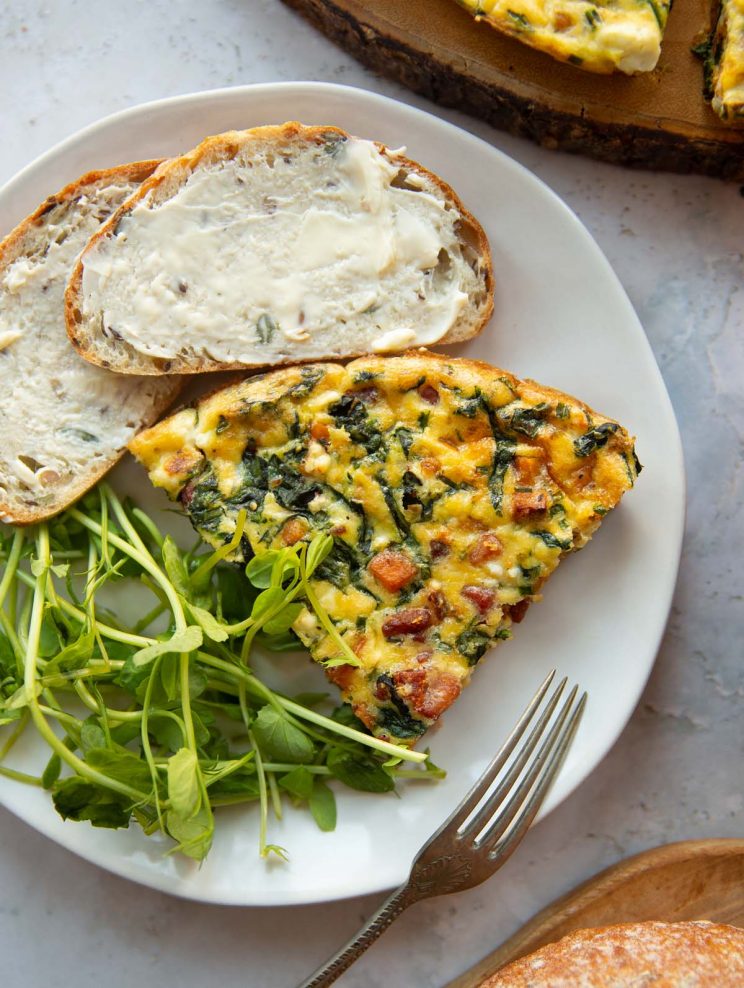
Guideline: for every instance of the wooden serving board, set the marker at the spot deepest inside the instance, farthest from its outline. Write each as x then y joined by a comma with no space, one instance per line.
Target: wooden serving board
654,120
696,879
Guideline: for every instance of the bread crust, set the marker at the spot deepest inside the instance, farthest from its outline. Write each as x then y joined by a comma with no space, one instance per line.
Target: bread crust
167,180
656,955
11,248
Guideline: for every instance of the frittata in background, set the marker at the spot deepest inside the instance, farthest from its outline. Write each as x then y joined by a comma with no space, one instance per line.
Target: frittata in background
615,35
451,489
723,55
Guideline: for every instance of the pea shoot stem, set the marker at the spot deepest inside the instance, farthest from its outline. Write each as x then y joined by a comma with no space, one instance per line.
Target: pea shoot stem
305,713
31,657
51,631
11,567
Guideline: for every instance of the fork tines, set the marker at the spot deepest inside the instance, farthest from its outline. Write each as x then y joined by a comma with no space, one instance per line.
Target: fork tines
501,806
489,823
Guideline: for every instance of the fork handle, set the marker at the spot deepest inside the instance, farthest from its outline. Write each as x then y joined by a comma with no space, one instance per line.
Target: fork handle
377,924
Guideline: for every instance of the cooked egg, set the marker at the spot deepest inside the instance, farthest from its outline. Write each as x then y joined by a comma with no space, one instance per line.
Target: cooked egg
451,490
615,35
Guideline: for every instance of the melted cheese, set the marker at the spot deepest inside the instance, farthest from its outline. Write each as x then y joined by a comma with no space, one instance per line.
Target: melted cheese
451,491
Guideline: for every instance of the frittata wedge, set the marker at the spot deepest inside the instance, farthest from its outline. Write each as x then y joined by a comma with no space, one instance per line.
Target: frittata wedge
606,36
724,63
451,489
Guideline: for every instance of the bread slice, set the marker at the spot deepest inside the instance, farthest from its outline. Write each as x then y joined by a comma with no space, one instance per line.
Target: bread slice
451,491
279,245
694,954
65,422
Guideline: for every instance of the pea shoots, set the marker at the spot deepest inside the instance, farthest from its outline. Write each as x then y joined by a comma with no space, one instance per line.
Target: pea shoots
163,720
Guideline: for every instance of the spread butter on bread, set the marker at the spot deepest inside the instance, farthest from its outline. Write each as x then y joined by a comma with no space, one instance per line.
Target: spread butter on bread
279,245
65,422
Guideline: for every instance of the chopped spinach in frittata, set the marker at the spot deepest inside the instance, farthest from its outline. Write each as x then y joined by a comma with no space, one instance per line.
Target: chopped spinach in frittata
451,490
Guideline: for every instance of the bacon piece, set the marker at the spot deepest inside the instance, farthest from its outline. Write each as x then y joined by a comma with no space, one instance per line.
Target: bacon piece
411,621
481,597
319,431
439,548
429,394
516,611
293,531
368,718
438,603
408,681
562,21
393,569
487,546
442,692
428,692
381,690
343,676
187,493
527,503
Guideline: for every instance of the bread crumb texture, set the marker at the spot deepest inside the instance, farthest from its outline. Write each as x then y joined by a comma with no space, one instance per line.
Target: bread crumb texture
278,245
64,421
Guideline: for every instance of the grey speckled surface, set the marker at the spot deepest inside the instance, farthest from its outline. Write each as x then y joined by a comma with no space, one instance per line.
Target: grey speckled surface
677,244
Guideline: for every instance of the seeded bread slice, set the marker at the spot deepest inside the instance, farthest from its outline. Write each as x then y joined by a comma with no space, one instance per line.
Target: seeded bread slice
279,245
65,422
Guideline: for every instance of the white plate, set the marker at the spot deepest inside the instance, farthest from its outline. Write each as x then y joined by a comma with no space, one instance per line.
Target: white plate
561,317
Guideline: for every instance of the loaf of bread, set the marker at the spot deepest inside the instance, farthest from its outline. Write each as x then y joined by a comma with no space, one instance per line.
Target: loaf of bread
633,955
65,422
279,245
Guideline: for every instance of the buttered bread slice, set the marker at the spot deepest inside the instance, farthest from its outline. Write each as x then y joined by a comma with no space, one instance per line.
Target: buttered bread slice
278,245
65,422
451,490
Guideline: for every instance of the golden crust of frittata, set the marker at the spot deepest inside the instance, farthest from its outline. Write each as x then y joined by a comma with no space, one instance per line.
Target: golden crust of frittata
451,489
607,36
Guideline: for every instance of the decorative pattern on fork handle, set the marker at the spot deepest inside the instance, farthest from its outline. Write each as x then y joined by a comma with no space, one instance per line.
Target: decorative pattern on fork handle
443,874
390,910
447,873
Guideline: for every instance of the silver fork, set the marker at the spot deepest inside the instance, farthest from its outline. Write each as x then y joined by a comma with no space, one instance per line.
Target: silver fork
485,828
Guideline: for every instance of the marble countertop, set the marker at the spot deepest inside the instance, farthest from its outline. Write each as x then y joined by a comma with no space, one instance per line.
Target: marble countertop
677,244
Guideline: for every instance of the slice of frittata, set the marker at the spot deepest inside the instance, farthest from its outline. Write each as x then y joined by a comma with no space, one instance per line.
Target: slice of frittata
723,56
451,489
606,36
